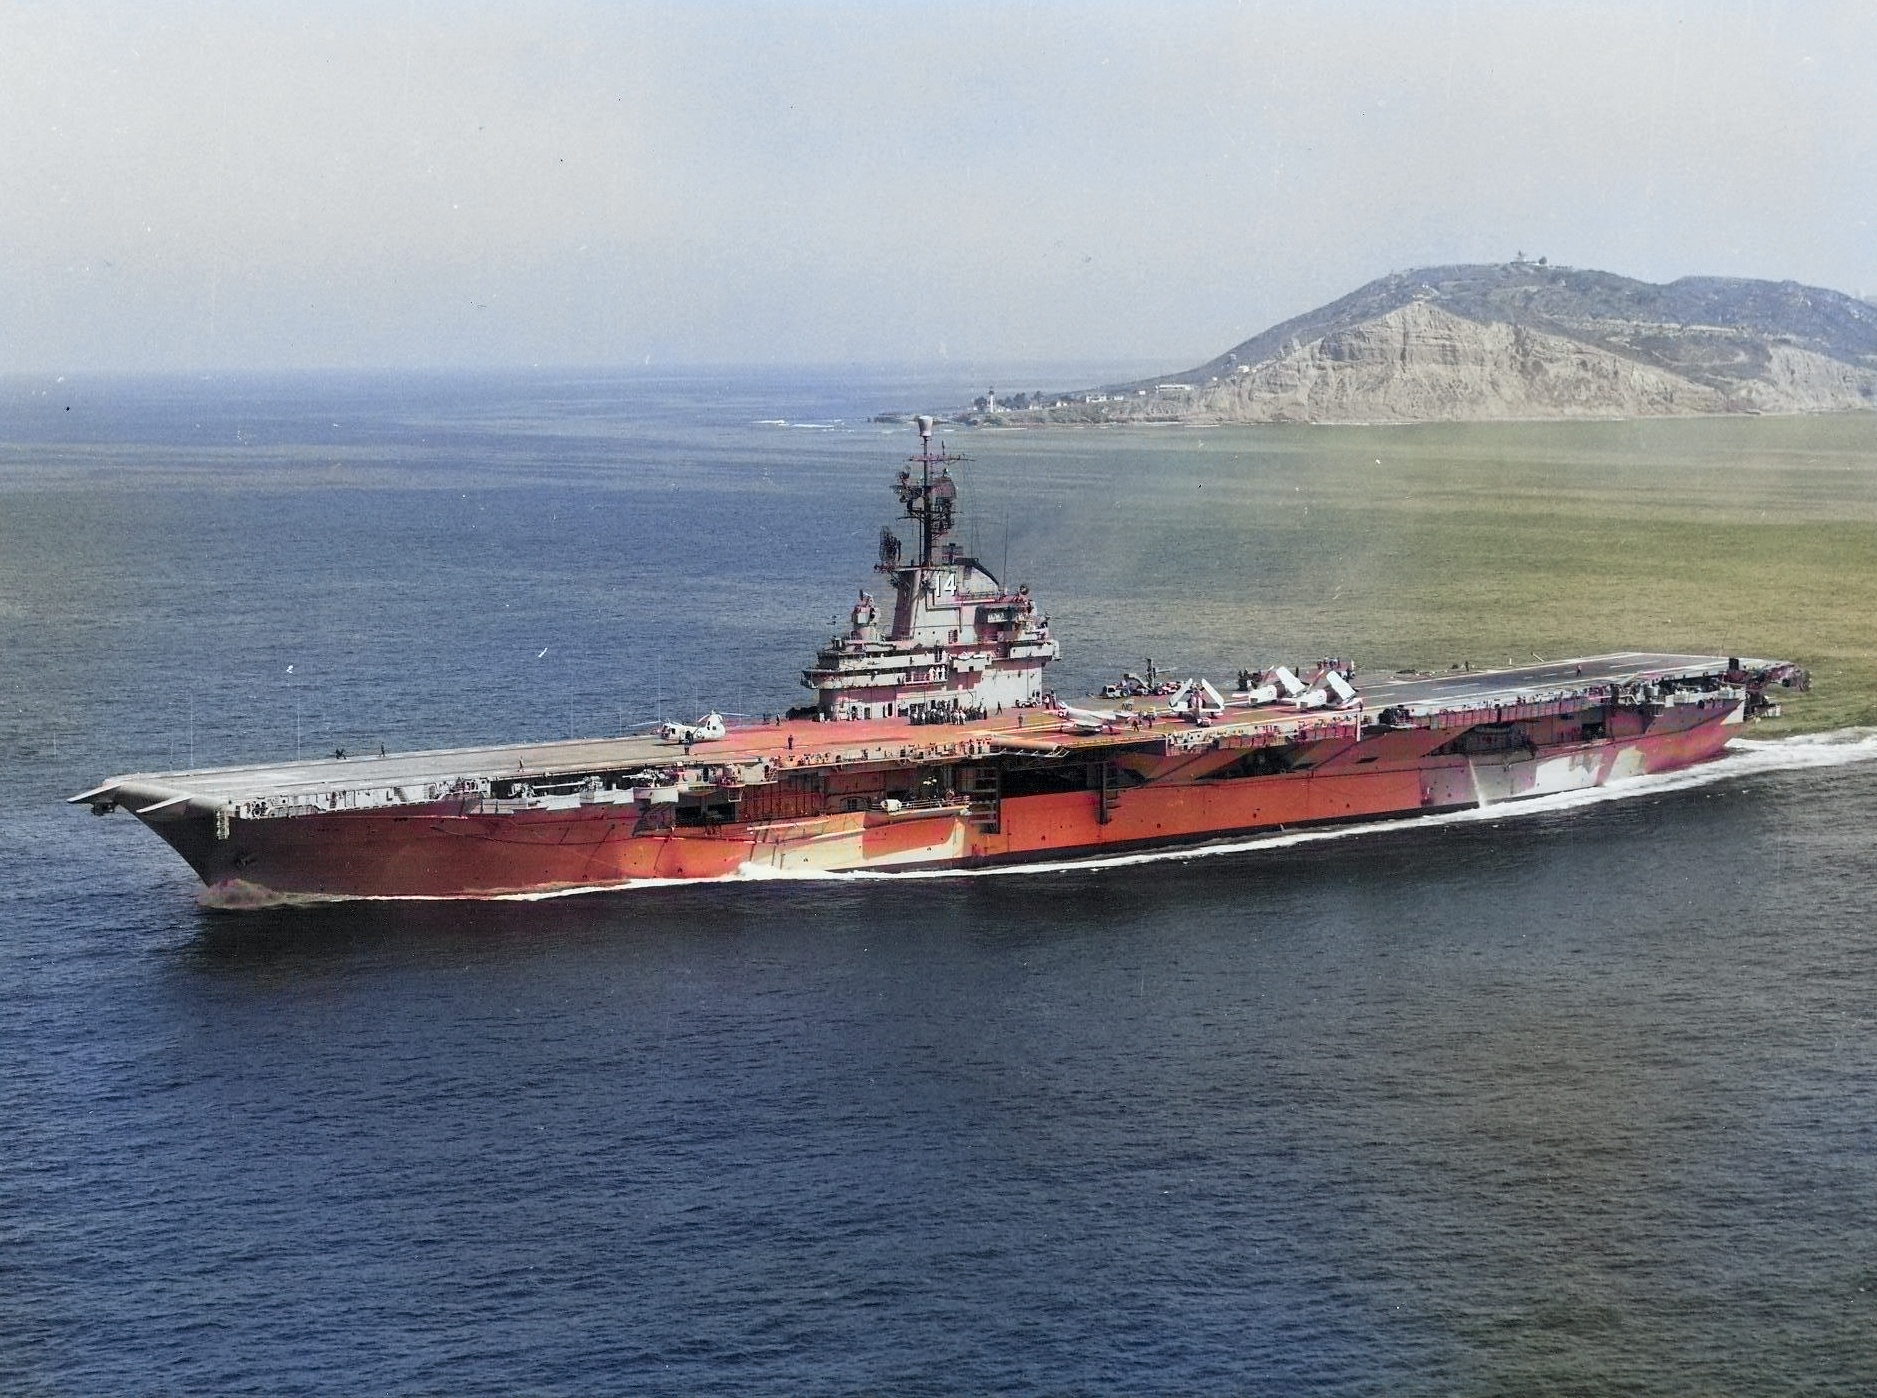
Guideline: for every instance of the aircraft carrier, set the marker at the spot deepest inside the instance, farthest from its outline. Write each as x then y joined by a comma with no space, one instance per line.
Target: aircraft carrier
932,741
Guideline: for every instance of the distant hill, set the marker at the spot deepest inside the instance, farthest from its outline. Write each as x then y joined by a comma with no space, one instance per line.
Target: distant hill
1517,341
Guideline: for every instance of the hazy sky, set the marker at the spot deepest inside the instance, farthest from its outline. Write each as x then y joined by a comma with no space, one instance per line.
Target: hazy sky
196,186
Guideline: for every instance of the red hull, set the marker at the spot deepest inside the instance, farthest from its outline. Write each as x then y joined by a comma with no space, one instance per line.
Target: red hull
437,851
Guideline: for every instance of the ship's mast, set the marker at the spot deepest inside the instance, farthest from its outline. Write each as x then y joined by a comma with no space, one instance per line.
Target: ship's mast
925,491
929,501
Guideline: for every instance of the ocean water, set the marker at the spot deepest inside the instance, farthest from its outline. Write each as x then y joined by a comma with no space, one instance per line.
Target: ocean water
1579,1099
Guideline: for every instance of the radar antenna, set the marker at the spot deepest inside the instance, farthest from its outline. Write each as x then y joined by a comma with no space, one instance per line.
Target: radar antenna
931,501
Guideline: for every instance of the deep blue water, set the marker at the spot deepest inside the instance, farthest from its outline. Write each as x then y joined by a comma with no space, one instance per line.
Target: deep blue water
1581,1101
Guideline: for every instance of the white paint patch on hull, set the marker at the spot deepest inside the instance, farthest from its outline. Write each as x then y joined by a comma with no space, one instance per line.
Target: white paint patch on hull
825,851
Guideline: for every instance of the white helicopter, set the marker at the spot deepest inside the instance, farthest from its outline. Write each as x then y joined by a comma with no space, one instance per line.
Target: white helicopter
707,729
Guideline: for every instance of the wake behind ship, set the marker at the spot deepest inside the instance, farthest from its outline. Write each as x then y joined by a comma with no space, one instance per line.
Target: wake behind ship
933,742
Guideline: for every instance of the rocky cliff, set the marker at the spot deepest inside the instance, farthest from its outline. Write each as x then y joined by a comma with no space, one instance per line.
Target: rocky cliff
1522,341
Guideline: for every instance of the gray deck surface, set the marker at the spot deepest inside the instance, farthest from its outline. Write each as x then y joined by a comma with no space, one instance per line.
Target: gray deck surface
1471,687
625,754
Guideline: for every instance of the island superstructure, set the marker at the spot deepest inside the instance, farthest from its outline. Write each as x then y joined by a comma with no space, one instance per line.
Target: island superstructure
960,644
932,742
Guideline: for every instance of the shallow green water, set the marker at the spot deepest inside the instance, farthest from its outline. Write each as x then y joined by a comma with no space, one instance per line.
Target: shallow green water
1485,543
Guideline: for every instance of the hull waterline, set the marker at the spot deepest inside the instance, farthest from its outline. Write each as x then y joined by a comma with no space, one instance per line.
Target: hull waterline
473,849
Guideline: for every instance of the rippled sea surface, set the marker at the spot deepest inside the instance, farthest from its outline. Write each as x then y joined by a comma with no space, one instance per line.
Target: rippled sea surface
1582,1099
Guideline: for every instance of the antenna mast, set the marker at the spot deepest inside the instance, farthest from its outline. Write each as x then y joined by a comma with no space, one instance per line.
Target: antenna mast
929,501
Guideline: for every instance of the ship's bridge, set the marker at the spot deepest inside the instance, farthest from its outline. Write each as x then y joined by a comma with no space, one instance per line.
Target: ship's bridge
960,641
